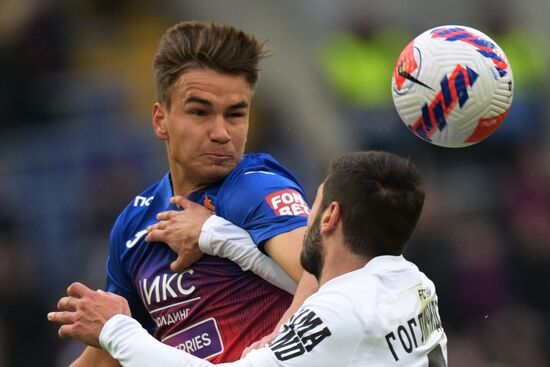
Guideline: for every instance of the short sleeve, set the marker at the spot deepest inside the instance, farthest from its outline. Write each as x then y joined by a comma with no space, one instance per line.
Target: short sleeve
265,204
119,280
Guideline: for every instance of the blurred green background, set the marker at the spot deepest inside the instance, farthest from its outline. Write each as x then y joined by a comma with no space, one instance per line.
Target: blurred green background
76,145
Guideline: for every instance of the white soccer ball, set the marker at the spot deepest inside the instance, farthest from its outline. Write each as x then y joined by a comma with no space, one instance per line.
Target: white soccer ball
452,86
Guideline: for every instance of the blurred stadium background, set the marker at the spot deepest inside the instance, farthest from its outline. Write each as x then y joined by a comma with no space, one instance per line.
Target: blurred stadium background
76,145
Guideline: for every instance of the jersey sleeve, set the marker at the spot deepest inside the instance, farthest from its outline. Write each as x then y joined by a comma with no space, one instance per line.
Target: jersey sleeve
265,204
219,237
118,278
325,332
126,341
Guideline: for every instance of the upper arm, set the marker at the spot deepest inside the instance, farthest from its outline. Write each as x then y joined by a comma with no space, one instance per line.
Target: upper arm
95,357
119,280
265,205
285,250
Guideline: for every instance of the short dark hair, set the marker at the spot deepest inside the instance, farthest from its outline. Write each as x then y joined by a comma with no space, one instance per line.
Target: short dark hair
194,44
381,196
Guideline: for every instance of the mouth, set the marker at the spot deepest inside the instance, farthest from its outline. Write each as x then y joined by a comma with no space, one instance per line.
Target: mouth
218,156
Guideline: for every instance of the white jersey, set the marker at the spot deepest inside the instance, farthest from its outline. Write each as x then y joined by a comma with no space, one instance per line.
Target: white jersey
384,314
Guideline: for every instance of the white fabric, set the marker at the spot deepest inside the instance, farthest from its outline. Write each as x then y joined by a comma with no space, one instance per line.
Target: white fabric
222,238
128,342
384,314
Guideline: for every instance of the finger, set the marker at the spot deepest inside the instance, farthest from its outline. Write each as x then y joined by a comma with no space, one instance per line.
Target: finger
152,227
161,226
78,290
248,349
156,235
63,317
168,214
67,304
177,265
245,352
65,331
184,262
181,202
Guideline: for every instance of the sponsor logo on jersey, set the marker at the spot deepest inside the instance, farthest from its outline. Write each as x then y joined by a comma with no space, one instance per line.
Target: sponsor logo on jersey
131,243
164,287
208,203
143,201
287,202
202,339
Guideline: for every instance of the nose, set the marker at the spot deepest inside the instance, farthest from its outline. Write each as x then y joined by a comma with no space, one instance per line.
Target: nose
218,130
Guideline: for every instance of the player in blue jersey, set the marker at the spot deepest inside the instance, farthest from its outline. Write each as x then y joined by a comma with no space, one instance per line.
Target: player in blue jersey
205,76
374,308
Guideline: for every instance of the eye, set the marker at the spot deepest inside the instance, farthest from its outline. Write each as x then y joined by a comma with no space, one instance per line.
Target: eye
198,112
236,114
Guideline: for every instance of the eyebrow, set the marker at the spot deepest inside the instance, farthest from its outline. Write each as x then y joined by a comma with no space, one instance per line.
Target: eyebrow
195,99
238,106
205,102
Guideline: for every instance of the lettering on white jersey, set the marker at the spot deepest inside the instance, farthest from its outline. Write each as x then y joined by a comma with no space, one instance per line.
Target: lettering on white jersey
287,202
417,331
303,332
137,237
165,286
142,201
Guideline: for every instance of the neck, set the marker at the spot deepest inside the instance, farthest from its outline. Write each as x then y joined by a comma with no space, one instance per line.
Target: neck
183,184
339,261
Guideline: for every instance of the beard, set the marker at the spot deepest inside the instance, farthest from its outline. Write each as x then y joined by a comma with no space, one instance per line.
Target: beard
313,255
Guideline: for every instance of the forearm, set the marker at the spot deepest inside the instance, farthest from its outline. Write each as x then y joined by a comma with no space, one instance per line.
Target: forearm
221,238
124,339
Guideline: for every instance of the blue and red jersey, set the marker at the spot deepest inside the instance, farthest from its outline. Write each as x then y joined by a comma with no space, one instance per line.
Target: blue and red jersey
213,309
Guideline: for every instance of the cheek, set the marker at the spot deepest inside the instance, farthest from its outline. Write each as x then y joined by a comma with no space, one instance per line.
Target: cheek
239,135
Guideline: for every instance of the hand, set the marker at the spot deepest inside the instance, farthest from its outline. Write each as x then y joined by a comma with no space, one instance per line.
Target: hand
260,343
181,231
84,312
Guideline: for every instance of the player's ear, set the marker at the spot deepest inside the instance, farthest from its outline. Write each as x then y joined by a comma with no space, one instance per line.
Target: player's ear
160,115
330,218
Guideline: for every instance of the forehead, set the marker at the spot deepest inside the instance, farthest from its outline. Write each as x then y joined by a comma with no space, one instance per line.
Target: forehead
213,86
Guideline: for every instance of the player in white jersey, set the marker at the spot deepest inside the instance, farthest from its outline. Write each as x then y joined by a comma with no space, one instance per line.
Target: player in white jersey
373,306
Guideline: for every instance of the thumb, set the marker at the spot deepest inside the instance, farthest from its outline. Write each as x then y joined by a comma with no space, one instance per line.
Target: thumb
182,202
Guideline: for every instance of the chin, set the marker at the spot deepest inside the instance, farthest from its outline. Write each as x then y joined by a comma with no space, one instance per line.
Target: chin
217,172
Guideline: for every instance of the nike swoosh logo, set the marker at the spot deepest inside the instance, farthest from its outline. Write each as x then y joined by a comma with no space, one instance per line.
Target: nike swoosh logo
137,237
408,76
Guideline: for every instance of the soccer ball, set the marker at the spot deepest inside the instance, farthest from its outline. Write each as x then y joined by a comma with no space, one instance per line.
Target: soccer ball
452,86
